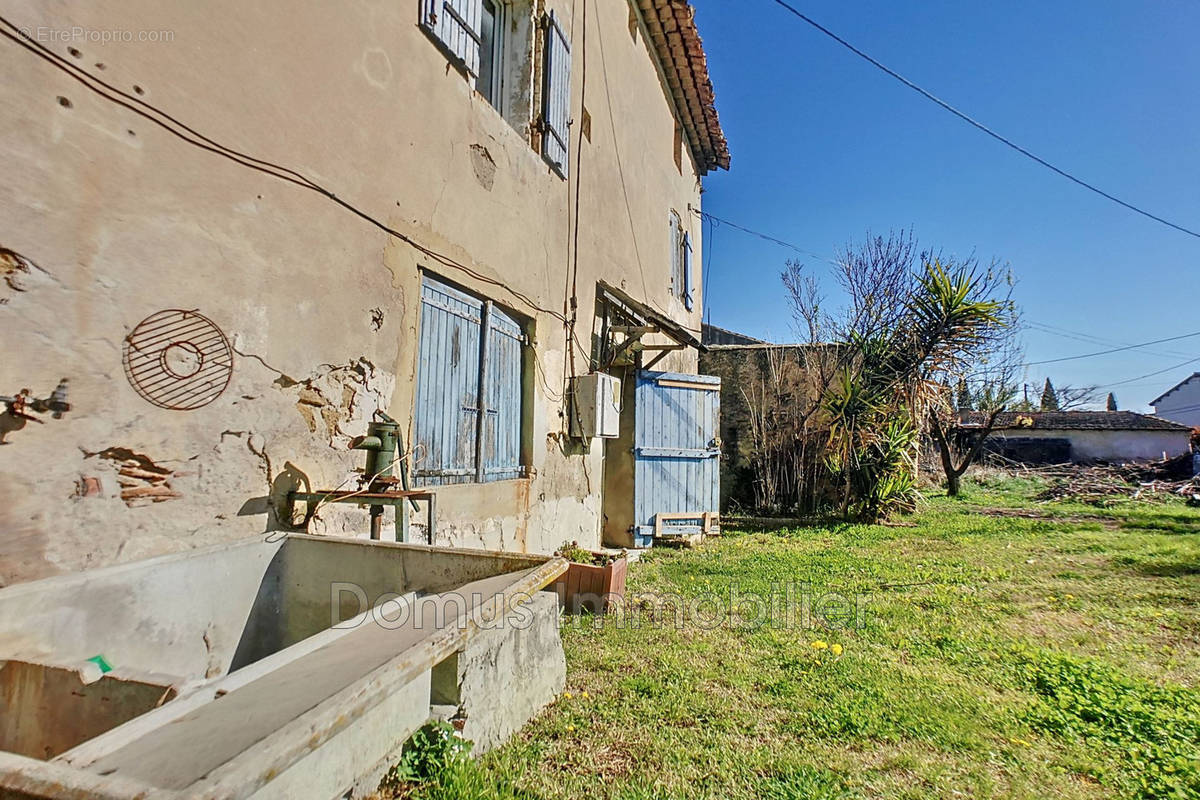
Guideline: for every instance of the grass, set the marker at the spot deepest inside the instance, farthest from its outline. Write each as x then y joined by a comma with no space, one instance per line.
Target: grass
1052,655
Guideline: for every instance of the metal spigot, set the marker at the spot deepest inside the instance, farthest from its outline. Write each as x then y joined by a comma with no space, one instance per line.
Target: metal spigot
380,447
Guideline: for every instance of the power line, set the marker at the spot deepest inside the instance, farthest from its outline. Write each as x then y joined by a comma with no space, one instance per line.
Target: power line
782,243
1042,327
1148,374
709,244
765,236
1114,350
975,123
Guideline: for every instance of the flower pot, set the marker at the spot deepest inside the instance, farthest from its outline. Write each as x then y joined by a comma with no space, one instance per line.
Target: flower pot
595,589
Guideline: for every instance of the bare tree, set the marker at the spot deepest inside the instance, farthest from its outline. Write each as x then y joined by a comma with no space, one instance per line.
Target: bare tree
910,321
1067,397
1073,398
960,439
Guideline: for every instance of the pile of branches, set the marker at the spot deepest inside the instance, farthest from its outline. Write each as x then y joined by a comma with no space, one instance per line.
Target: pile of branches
1104,484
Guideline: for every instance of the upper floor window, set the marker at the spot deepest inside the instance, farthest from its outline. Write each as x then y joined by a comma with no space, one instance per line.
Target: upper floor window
681,261
491,51
493,41
456,24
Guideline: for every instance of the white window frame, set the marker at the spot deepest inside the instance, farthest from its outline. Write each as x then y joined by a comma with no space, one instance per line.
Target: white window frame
675,224
495,94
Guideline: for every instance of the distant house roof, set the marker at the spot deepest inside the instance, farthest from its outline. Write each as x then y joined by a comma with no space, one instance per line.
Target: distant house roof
711,334
1179,385
672,28
1074,421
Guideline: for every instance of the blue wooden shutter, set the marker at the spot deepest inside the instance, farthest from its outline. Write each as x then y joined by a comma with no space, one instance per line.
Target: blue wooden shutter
456,25
676,285
503,392
686,259
556,97
447,385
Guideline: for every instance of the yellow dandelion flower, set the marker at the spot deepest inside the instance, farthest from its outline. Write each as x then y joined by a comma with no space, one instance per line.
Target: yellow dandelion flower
1068,597
570,729
566,695
819,645
584,695
836,649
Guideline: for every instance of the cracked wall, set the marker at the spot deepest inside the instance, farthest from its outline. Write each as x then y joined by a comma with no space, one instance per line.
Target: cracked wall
107,219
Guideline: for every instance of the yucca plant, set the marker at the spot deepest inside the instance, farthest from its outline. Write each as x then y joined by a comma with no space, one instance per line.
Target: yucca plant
909,324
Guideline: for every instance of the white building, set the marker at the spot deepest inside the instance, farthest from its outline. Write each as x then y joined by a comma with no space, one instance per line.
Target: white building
1084,436
1180,403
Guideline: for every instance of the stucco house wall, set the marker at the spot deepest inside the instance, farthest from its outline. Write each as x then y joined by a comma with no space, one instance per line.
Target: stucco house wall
1114,445
1181,404
106,218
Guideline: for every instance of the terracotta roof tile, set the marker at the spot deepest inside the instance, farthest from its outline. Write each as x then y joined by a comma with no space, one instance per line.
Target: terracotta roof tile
1076,421
672,26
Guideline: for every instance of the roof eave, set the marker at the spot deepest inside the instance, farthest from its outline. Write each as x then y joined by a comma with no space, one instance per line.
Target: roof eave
1177,386
670,27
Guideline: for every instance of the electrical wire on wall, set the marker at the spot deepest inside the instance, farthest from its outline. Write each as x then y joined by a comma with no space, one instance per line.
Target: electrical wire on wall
194,137
571,287
616,151
197,139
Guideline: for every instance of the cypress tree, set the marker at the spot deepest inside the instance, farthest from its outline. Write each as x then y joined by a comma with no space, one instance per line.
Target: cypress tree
1111,404
965,402
1049,397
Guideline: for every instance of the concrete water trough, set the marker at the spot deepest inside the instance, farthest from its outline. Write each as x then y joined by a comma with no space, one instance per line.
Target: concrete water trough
293,668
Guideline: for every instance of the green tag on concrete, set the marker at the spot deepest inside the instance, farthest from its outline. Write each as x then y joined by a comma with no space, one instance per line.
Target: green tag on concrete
101,663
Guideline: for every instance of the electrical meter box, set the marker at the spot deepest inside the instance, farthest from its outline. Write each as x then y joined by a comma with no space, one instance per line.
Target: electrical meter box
595,407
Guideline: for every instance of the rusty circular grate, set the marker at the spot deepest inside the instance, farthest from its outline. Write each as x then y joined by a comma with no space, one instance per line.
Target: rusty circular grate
178,359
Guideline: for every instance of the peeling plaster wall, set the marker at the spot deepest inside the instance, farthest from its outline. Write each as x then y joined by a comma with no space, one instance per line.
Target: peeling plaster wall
106,219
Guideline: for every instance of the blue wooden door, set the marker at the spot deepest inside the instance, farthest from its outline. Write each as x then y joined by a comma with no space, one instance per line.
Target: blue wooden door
677,488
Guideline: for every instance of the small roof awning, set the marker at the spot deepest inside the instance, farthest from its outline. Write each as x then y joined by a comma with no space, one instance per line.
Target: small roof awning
642,314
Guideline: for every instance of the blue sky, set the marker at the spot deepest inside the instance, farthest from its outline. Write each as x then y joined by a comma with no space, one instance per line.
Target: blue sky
825,147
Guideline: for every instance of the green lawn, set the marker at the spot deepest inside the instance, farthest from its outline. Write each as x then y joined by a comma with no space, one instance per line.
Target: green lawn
997,656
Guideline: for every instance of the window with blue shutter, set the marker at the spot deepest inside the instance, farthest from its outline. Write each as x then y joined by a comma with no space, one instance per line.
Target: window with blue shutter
503,393
676,234
470,390
556,97
456,24
685,257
